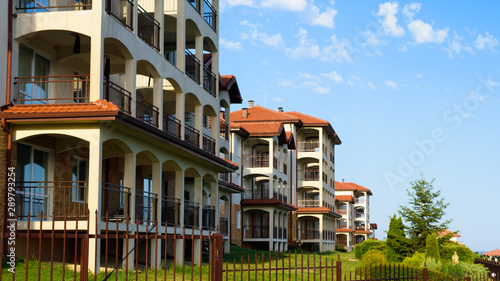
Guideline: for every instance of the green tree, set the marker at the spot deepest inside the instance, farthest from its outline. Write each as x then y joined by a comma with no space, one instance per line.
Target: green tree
397,244
424,212
431,247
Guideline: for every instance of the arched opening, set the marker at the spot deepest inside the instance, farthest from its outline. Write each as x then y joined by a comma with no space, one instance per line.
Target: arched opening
192,198
192,119
146,188
148,93
172,193
209,131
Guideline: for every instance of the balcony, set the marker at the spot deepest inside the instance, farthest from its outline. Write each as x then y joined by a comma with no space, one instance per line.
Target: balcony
285,169
172,125
148,29
309,175
224,176
256,193
196,4
191,214
115,201
360,215
147,112
224,130
255,231
56,199
171,211
122,10
342,225
210,15
145,206
224,226
309,233
341,212
360,227
308,146
360,201
308,203
209,81
256,160
208,217
191,135
275,162
30,6
209,144
328,235
52,89
192,66
117,95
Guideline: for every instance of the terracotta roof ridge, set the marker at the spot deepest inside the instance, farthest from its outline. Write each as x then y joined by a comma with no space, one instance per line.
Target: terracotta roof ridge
106,104
277,112
322,120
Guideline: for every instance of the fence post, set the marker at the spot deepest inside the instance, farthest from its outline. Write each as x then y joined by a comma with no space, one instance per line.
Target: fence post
339,269
425,273
217,250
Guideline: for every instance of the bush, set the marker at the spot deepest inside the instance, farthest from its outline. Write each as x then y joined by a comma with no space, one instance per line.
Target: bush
373,257
463,269
417,260
431,247
367,245
464,254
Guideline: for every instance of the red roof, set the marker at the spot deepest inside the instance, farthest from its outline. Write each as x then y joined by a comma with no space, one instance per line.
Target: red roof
493,253
99,105
350,186
307,119
313,210
446,231
362,232
344,198
261,128
230,162
343,230
259,113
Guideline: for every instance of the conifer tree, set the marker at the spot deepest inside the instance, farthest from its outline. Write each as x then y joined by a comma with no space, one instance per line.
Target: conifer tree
431,247
397,244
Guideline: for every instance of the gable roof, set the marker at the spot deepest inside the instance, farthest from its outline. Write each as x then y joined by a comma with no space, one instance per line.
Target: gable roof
446,231
493,253
350,186
262,114
344,198
228,83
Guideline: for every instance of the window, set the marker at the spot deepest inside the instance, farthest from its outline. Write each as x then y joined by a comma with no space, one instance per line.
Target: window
32,64
79,178
238,219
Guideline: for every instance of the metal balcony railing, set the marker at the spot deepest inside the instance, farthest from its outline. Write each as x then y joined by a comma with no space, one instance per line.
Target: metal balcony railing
115,201
172,125
117,95
210,15
309,175
224,176
308,203
224,225
171,211
196,4
122,10
256,231
256,160
285,168
52,89
256,193
308,146
148,28
191,213
309,233
145,205
209,81
192,67
34,6
224,130
209,144
208,216
147,112
53,198
191,135
275,162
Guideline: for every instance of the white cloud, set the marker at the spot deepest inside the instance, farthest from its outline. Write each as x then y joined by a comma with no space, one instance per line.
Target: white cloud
491,83
315,17
286,83
391,84
419,75
334,76
350,83
370,84
403,48
237,2
258,37
338,50
486,42
424,33
320,90
290,5
309,76
411,9
228,44
454,45
389,21
307,47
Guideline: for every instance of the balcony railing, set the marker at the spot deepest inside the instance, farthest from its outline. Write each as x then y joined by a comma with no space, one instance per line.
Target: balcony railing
53,198
52,89
224,176
195,4
360,201
360,215
305,203
224,225
209,81
172,125
191,213
256,193
117,95
191,135
308,146
341,212
145,205
328,235
309,175
192,66
210,14
256,160
115,201
208,217
148,28
209,144
256,231
361,227
122,10
275,162
147,112
171,211
342,226
224,130
309,233
35,6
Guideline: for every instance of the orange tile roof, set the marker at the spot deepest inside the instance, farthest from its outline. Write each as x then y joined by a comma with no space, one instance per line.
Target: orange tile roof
259,113
99,105
226,79
313,210
261,128
307,119
349,186
343,230
230,162
446,231
344,198
362,232
493,253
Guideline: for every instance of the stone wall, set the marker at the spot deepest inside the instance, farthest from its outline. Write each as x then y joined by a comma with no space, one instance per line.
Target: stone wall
236,234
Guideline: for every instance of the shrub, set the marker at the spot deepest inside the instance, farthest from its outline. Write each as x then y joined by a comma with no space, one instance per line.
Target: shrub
464,254
367,245
416,260
373,257
463,269
431,247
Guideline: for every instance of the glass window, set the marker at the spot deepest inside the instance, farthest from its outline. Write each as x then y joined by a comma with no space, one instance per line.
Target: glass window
238,219
79,178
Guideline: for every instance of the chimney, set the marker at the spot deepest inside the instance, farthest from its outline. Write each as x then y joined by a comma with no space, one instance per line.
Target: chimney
280,109
245,113
250,104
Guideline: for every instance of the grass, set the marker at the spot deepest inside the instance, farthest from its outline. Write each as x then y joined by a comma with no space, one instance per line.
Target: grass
234,272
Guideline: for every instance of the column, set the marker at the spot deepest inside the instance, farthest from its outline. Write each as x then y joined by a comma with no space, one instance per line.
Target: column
130,72
129,181
94,192
158,98
156,214
179,193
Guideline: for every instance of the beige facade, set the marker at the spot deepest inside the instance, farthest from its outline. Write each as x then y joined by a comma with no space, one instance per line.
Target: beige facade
115,108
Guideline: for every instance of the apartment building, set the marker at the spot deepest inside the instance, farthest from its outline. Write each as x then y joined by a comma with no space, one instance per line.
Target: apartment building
114,107
353,204
288,173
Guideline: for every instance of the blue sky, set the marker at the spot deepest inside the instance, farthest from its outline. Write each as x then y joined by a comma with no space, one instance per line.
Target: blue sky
409,87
